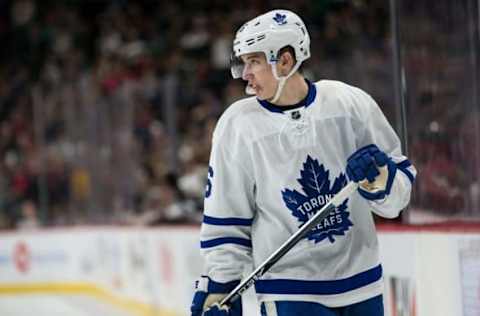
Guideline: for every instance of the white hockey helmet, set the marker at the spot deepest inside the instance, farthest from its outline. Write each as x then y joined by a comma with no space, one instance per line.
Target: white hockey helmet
269,33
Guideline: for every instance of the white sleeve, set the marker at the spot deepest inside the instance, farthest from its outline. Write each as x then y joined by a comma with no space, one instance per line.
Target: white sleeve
377,130
228,209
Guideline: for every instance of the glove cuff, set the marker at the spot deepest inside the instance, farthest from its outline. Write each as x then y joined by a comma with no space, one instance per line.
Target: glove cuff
205,284
380,195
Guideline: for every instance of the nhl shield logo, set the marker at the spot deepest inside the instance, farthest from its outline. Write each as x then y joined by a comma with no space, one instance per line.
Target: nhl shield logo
317,192
295,115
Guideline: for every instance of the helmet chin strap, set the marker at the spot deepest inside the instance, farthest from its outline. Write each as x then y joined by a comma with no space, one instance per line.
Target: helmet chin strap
282,80
280,85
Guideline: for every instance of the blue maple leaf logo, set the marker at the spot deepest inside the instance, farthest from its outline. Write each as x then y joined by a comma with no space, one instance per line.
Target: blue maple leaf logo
280,18
317,192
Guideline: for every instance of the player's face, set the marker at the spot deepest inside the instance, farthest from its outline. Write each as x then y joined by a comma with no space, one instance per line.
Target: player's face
258,73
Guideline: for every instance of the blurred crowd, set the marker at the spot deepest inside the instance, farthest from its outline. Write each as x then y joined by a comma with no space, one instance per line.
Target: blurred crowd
107,107
442,68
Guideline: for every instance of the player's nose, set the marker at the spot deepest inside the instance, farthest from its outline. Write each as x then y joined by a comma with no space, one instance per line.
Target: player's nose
246,73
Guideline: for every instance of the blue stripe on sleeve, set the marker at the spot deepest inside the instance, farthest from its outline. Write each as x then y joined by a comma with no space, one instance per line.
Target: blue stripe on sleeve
289,286
402,166
227,221
225,240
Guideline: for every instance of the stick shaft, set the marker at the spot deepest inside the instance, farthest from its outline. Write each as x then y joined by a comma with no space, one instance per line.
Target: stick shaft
292,241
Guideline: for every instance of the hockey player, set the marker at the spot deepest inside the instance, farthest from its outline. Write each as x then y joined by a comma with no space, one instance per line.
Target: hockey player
276,159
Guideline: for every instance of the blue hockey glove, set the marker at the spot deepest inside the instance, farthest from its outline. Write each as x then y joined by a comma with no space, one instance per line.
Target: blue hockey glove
373,170
207,296
216,310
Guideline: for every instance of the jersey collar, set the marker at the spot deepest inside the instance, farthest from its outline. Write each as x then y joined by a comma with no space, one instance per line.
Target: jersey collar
306,102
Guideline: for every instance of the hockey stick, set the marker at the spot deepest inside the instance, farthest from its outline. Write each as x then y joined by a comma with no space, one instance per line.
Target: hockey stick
287,245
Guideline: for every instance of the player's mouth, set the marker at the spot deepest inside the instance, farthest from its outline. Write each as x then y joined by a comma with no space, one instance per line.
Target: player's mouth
254,87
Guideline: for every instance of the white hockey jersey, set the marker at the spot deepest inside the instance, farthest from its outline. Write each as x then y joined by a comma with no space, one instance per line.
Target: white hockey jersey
271,169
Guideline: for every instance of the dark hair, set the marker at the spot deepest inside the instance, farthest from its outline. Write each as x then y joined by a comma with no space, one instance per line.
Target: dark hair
290,50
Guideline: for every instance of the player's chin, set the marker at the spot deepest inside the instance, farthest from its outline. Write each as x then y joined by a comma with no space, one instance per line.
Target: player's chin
261,95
